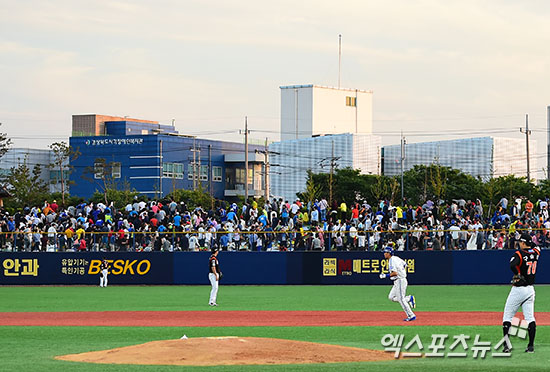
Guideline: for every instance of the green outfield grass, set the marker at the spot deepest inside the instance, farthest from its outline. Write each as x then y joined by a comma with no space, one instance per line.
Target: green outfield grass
33,348
176,298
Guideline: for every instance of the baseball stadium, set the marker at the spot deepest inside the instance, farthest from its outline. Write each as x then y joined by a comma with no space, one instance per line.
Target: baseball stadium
313,311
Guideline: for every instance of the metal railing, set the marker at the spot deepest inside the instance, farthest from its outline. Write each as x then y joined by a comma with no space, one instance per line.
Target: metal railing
369,240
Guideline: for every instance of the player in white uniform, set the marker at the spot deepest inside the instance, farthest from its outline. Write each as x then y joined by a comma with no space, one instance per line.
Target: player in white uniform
104,273
398,274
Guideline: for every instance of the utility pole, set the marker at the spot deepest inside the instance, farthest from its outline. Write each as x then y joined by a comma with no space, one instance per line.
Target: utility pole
296,113
246,132
161,169
211,174
527,132
199,183
330,176
194,165
339,57
194,150
266,170
548,142
403,142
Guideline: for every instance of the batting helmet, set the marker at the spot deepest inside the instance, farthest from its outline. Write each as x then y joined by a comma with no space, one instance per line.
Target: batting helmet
389,250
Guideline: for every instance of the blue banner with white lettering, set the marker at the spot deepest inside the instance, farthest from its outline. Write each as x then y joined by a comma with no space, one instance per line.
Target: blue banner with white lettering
362,268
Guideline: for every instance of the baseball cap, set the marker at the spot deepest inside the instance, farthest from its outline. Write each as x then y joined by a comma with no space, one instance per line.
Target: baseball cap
214,250
525,237
388,250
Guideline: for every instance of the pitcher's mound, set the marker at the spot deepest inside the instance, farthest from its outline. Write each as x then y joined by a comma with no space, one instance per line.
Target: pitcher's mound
212,351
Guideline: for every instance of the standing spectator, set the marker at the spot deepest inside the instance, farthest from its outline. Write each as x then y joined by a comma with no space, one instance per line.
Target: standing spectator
454,236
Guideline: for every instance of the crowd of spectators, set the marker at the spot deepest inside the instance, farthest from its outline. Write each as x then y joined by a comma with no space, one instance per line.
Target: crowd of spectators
277,225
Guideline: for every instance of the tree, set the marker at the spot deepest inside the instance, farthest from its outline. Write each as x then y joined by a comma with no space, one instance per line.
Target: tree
379,189
438,181
492,190
395,189
25,185
312,191
102,175
5,143
119,198
349,185
193,198
62,155
512,186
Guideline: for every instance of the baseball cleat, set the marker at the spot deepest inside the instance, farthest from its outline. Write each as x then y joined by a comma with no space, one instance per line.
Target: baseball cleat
530,349
506,349
412,301
410,319
213,304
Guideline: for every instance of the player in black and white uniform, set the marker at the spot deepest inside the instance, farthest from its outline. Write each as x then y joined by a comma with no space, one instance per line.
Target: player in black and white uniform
524,266
214,274
104,271
398,274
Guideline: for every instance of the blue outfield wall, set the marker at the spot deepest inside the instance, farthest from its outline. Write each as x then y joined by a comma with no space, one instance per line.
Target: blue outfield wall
425,267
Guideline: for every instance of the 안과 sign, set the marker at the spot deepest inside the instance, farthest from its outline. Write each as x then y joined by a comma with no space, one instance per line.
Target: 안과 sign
84,268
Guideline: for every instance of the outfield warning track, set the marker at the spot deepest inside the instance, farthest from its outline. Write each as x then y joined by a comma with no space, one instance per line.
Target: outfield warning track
218,318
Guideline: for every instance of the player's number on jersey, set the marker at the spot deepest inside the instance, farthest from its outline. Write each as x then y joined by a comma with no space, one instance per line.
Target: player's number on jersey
531,267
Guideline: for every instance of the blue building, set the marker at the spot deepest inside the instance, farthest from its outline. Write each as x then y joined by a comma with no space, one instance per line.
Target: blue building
155,160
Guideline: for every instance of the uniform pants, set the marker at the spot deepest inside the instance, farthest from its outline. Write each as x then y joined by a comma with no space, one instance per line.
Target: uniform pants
103,278
214,291
398,294
520,296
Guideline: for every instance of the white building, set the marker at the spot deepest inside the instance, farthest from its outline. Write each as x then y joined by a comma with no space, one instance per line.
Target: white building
483,157
18,156
309,110
291,160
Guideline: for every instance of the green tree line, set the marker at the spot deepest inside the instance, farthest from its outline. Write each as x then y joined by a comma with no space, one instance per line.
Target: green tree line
421,183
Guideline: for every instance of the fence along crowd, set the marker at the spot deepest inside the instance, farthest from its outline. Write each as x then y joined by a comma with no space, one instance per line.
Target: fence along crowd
165,225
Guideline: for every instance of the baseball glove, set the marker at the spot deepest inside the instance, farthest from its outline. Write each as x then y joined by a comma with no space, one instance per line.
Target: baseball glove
518,280
220,275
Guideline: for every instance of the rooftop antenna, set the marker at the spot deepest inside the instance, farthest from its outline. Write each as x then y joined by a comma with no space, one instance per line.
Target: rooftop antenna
339,57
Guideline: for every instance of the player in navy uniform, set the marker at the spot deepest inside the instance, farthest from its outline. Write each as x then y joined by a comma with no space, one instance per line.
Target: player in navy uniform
214,274
103,273
524,266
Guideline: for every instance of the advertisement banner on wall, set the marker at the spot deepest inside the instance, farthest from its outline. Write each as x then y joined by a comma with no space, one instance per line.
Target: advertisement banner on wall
366,267
84,268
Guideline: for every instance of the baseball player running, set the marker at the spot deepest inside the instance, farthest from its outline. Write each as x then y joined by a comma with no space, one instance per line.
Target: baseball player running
398,274
104,272
524,266
214,275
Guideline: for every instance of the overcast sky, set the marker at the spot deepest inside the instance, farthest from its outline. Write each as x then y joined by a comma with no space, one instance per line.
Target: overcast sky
436,67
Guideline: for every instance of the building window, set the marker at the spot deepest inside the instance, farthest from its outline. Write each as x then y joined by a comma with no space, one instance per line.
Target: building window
55,176
239,175
217,174
116,169
172,170
191,171
204,173
351,101
98,171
